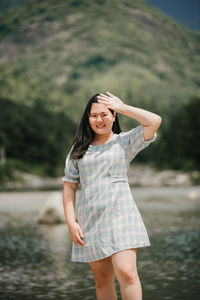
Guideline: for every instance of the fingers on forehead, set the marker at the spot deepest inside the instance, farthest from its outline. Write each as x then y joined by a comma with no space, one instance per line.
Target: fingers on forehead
110,94
104,96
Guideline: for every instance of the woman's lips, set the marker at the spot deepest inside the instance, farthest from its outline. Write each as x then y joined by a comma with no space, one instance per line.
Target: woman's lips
100,126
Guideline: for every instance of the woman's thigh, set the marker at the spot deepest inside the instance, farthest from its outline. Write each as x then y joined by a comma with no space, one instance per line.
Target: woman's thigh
102,268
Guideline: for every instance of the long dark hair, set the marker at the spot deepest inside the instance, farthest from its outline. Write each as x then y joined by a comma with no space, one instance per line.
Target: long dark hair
85,134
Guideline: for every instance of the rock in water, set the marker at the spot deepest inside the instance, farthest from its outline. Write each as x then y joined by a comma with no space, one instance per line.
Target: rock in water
52,212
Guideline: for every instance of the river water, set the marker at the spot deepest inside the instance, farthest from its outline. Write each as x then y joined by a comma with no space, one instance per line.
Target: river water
35,259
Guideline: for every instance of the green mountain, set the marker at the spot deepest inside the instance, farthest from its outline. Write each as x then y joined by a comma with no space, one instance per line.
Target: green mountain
62,52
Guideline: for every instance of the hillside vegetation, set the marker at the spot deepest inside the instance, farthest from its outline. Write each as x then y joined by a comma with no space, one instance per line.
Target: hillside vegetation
34,139
65,51
59,53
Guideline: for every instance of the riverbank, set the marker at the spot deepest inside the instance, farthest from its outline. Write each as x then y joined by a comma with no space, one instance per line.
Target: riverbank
139,176
36,262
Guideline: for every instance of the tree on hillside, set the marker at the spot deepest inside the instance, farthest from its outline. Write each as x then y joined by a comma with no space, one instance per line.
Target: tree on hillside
180,142
35,136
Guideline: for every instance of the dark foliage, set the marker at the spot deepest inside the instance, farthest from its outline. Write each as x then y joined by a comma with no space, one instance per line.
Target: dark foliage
179,147
35,135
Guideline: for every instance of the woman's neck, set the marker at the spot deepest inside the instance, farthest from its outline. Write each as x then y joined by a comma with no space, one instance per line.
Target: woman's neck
101,138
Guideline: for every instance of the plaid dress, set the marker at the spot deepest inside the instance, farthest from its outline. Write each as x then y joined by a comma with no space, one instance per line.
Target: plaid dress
106,210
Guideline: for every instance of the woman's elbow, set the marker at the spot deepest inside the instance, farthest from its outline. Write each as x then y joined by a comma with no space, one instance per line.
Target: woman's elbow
157,121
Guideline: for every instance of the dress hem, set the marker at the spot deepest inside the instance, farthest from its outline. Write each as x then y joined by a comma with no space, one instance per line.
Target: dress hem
105,256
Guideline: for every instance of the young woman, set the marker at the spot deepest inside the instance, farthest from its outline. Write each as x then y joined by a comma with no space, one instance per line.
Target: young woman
104,223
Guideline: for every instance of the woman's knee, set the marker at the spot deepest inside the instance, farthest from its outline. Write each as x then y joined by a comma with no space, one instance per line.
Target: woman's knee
102,278
127,274
125,267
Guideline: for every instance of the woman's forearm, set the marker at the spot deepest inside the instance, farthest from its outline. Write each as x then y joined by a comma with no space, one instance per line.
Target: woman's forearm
69,209
146,118
69,195
69,204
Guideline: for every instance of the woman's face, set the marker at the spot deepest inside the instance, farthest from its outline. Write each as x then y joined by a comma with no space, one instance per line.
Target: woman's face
101,119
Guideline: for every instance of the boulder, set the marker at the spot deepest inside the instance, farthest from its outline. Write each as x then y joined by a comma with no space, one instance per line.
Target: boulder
52,211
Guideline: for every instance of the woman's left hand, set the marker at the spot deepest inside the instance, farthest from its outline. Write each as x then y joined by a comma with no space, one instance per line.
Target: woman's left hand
111,101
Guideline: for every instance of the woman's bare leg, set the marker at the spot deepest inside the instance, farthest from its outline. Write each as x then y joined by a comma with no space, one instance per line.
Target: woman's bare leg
104,279
125,268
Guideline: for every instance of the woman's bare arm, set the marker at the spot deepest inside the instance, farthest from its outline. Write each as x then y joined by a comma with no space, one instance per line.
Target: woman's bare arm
150,121
69,196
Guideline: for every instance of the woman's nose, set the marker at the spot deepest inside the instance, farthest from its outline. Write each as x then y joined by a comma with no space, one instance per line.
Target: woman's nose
99,118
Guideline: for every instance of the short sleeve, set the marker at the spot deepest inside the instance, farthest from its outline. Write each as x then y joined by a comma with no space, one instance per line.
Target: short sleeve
134,141
71,170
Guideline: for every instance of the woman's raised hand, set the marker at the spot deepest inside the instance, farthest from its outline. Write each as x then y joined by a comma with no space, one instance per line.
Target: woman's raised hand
111,101
76,233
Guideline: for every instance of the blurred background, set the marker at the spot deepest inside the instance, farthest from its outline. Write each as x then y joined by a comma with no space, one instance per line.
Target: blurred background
54,56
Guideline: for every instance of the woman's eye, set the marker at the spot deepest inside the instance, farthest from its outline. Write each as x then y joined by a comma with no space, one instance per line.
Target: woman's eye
94,116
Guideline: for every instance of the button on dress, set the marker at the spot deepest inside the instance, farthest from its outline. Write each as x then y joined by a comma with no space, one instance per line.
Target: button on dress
106,210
